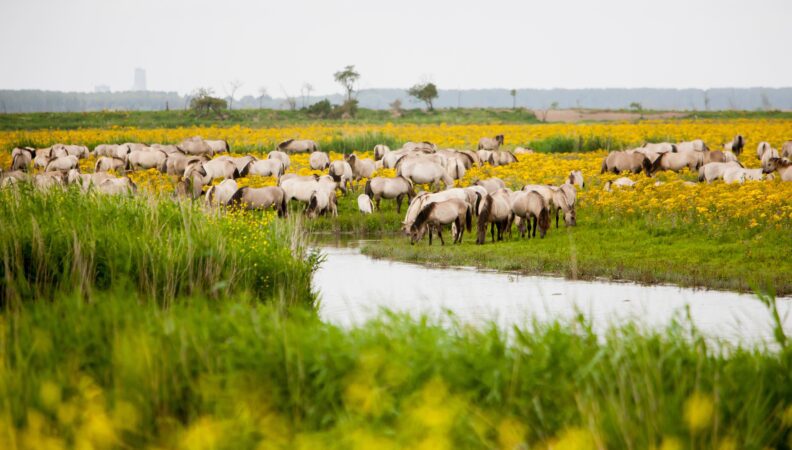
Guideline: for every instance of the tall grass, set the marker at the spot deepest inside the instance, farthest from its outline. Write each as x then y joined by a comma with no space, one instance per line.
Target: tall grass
237,374
569,144
65,240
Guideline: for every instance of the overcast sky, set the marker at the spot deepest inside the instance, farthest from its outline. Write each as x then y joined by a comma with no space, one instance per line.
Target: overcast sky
184,44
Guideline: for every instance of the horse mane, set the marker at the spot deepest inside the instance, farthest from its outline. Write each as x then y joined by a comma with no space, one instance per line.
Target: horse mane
470,158
285,143
653,167
544,218
423,216
514,157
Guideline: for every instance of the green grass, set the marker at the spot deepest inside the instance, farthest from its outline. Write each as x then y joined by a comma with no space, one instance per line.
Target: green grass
252,118
625,248
569,144
64,240
237,374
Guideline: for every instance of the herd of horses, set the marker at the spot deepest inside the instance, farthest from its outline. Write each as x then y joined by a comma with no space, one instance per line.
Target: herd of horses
696,156
198,163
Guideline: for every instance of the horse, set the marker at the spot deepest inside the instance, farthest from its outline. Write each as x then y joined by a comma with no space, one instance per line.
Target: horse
112,150
397,188
145,159
323,202
715,170
491,184
576,178
455,169
502,158
782,165
218,146
242,163
168,149
786,150
696,145
364,204
530,206
195,146
473,156
282,157
177,163
556,200
86,180
676,162
221,168
424,147
341,172
21,157
266,168
63,163
117,186
661,147
740,175
761,148
299,187
361,168
424,170
298,146
474,196
619,161
718,156
495,210
260,199
319,161
380,150
425,198
736,145
619,182
13,177
107,163
490,143
221,194
438,214
194,179
767,155
484,156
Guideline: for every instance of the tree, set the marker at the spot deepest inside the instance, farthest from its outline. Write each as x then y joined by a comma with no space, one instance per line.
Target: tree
513,93
544,112
396,108
231,90
305,91
262,92
347,78
203,102
425,92
637,107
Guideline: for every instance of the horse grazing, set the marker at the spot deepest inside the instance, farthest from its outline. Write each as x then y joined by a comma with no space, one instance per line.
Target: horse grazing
342,174
266,168
323,202
782,165
280,156
222,193
715,170
494,210
619,183
260,199
425,198
490,143
423,170
736,145
557,199
319,161
576,178
298,146
438,214
380,150
364,204
21,157
618,162
675,162
397,188
491,184
530,206
696,145
501,158
361,168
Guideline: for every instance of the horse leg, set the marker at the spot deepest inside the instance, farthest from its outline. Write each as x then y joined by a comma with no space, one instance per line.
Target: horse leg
377,199
535,221
430,234
557,217
492,231
440,234
398,203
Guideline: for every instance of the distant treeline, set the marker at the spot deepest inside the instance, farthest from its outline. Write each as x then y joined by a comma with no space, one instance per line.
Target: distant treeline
655,99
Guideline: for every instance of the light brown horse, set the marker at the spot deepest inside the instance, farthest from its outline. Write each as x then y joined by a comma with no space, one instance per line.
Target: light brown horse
494,210
490,143
21,157
397,188
736,145
434,216
618,162
260,199
532,210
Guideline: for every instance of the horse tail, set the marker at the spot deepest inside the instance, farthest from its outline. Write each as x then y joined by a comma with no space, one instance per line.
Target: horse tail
284,206
423,216
235,175
657,164
210,194
368,190
701,176
236,199
544,219
245,170
127,165
484,219
468,218
647,166
164,166
478,203
604,165
96,166
228,146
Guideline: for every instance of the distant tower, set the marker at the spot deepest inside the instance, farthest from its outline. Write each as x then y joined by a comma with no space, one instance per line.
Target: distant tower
140,80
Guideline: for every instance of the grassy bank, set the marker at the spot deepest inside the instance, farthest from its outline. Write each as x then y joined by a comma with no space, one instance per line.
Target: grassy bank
622,248
67,241
112,373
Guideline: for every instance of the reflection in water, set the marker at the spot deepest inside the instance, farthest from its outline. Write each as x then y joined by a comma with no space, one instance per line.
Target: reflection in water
354,287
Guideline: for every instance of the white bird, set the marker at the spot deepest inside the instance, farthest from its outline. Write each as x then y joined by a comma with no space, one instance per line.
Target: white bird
364,204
